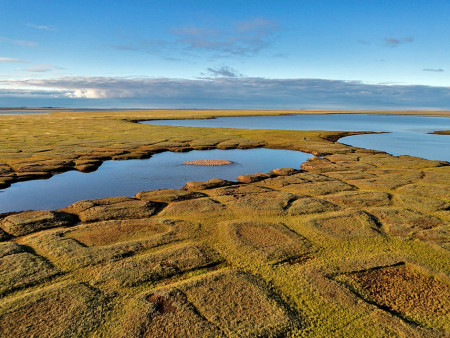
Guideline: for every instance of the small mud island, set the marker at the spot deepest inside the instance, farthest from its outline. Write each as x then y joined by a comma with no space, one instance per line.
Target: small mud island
208,162
441,132
353,242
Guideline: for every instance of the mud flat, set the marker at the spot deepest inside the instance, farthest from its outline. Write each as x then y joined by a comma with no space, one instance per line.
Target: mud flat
353,243
208,162
442,132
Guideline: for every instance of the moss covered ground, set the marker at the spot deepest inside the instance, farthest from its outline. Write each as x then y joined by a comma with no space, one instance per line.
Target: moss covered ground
354,243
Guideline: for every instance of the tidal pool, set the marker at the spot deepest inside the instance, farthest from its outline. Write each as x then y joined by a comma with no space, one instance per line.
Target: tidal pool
126,178
406,134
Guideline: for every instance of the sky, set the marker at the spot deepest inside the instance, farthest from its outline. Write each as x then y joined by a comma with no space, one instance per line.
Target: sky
341,54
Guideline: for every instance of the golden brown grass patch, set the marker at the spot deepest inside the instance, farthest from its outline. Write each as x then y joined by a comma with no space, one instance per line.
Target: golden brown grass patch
70,253
398,221
27,222
155,266
310,205
347,224
168,195
110,232
265,241
240,304
58,311
19,269
112,208
199,205
165,312
320,188
404,291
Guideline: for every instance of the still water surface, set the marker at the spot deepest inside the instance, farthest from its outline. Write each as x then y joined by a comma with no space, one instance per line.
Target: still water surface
126,178
407,135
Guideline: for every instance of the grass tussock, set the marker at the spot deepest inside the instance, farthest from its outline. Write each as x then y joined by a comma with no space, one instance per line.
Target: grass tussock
61,310
265,241
403,291
20,268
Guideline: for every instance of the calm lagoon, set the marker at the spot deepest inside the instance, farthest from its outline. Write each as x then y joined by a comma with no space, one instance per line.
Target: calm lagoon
406,134
126,178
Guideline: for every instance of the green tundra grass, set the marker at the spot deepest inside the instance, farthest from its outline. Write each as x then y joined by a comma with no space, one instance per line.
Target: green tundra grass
354,243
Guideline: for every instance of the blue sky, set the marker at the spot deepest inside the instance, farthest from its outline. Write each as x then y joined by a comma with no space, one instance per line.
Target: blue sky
356,54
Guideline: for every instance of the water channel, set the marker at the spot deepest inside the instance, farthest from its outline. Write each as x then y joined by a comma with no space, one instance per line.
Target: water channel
406,134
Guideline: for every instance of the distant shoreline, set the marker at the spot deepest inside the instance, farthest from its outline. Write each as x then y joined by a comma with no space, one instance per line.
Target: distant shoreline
245,112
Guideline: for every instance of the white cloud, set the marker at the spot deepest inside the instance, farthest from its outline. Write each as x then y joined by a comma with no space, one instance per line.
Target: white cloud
41,27
11,60
244,38
394,42
88,94
24,43
435,70
42,68
238,92
241,38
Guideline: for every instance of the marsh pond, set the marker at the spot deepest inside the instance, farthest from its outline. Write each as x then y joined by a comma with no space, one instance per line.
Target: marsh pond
126,178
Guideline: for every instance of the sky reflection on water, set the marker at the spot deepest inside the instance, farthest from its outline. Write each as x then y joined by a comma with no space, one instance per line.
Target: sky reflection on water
126,178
